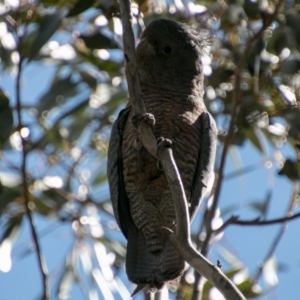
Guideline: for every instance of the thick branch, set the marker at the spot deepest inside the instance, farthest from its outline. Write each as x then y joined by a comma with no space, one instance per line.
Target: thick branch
207,269
130,60
165,157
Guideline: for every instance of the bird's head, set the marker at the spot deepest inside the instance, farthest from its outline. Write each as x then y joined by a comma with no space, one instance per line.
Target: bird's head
169,56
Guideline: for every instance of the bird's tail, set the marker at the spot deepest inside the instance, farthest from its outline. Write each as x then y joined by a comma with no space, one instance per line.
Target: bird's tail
152,269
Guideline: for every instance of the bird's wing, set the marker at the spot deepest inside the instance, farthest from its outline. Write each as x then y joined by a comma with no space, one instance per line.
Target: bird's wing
115,174
206,158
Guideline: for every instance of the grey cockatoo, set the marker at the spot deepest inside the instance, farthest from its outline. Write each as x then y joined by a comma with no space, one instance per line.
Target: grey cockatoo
171,78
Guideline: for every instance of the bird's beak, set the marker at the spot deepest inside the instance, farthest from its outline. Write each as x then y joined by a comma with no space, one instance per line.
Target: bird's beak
144,49
138,288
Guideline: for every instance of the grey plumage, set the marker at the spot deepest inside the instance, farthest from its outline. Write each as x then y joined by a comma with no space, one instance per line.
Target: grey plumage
171,78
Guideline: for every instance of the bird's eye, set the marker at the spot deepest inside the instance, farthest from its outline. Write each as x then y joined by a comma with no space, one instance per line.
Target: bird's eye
167,50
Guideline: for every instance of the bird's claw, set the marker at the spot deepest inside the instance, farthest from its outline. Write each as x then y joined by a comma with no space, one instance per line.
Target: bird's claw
136,121
161,143
147,118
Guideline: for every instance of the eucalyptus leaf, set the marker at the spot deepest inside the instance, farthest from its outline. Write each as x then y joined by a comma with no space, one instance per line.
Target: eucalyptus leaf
7,196
48,25
66,280
291,169
98,40
6,117
80,6
57,93
11,228
254,134
246,288
89,79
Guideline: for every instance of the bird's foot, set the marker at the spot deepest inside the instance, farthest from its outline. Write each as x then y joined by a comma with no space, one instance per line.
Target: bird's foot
147,118
162,143
136,121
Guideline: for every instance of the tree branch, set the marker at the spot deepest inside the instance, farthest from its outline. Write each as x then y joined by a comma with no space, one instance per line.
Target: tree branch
255,222
130,60
166,158
211,272
162,151
41,262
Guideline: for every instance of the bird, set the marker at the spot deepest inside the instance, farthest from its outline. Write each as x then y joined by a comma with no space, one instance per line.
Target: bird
171,77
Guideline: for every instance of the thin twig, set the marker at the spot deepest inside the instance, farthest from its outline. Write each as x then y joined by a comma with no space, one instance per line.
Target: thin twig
255,222
242,171
41,262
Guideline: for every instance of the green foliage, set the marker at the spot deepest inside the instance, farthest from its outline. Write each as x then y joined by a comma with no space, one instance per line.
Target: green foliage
6,117
47,25
66,126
